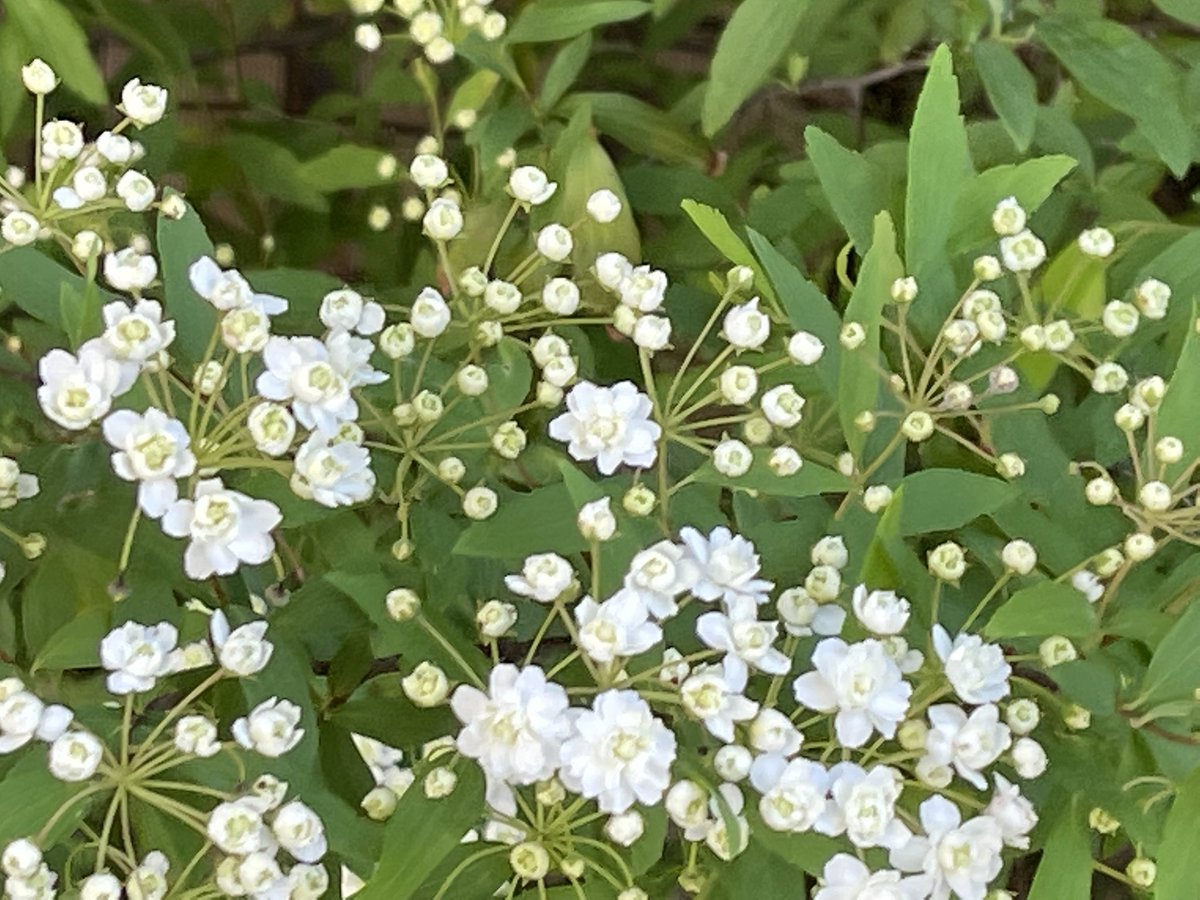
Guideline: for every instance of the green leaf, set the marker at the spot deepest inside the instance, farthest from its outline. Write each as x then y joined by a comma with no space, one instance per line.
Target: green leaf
859,383
714,226
421,833
565,69
1183,10
1177,414
33,796
32,281
1065,869
525,524
343,167
54,34
1173,669
926,493
557,20
1126,72
1010,88
939,165
1031,182
1176,854
180,243
1047,608
855,187
274,170
641,127
806,307
757,36
75,645
809,481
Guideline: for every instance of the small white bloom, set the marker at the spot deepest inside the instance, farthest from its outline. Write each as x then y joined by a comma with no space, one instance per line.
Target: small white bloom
880,612
604,206
745,327
272,728
596,520
429,314
529,184
136,190
75,756
1008,218
968,743
1097,242
1152,298
332,472
78,390
555,242
225,528
977,671
20,228
783,406
710,697
861,683
129,270
611,425
227,289
38,77
443,221
732,458
153,450
137,655
1022,252
545,577
725,566
145,104
197,735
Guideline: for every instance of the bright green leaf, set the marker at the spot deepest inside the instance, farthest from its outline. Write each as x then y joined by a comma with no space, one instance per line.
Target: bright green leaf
55,35
343,167
855,187
1044,609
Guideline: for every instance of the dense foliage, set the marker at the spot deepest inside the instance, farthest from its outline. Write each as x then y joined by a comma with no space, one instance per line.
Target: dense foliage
599,448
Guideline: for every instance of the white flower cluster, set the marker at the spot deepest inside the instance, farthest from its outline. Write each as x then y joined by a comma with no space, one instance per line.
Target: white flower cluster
433,27
895,786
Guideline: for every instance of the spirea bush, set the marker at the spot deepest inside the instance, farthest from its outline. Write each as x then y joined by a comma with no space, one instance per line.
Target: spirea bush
858,569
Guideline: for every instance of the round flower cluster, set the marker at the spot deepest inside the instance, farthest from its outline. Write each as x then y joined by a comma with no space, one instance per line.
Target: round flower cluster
433,27
876,744
157,742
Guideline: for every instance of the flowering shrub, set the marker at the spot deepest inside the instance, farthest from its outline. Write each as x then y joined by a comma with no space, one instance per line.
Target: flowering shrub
544,571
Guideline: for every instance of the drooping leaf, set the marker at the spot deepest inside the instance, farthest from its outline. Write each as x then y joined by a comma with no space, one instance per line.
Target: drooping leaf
758,34
641,127
716,228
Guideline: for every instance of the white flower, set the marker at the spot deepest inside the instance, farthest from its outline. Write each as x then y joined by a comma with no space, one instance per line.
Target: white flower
529,184
863,806
78,390
237,827
732,458
1097,242
14,484
300,369
115,148
61,140
136,655
75,756
618,627
783,406
21,716
625,828
962,857
426,685
1120,319
728,824
1008,218
143,103
1088,584
225,527
153,450
350,357
747,643
136,334
1022,252
272,428
880,612
773,732
197,735
129,270
136,190
710,697
20,228
619,753
977,671
429,171
332,472
612,270
350,311
21,859
38,77
745,327
596,521
861,683
611,425
443,221
429,314
794,794
555,242
727,568
227,289
300,832
652,333
271,728
687,805
847,878
544,578
660,573
1029,759
969,743
100,886
604,206
1013,813
805,349
515,731
243,651
642,289
785,461
1152,298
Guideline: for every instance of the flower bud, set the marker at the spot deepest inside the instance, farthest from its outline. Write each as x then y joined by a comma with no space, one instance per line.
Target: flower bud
1141,871
639,500
1019,557
596,521
1076,717
947,561
379,803
1008,218
1010,466
1029,759
785,461
426,686
530,861
917,426
852,335
1168,450
603,206
1097,242
1120,319
403,604
38,77
1056,650
1152,297
1022,716
805,349
732,762
877,497
732,458
1140,546
904,290
911,734
480,503
1103,821
624,829
495,618
757,430
987,268
451,470
440,783
1033,338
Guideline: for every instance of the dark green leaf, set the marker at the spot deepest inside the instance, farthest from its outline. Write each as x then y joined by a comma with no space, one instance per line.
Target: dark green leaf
945,499
855,187
1065,869
1176,854
180,243
1010,87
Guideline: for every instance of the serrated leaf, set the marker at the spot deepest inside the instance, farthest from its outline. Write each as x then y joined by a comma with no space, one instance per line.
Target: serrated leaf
1044,609
1031,182
716,228
855,187
758,34
859,381
1010,88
